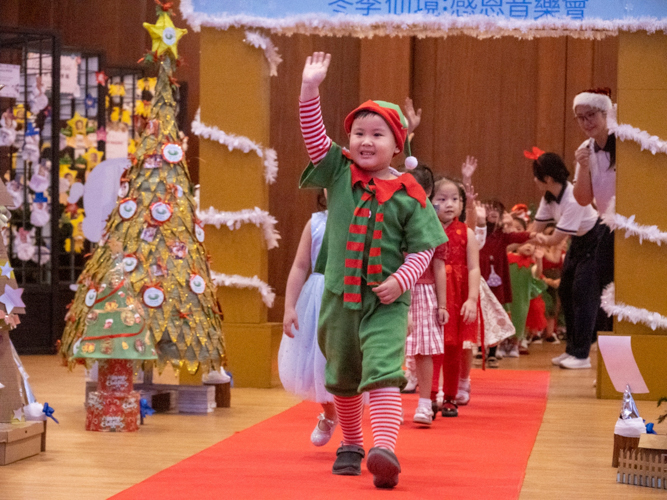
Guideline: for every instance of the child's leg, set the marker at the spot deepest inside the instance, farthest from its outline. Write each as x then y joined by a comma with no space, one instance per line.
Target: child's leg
424,375
385,410
451,370
326,425
438,361
329,410
349,412
424,412
411,374
466,364
463,392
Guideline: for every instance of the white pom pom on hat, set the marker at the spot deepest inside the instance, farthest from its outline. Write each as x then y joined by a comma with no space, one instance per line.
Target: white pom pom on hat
411,163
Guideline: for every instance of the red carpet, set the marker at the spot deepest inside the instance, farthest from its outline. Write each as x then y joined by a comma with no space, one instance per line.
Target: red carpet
481,454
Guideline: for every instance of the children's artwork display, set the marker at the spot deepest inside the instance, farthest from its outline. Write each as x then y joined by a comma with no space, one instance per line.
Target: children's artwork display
166,261
15,392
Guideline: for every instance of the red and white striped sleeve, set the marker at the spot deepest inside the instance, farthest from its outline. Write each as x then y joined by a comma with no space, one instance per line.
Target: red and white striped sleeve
312,128
414,266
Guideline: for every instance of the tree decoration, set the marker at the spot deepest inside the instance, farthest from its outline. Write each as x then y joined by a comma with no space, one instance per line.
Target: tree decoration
158,277
165,35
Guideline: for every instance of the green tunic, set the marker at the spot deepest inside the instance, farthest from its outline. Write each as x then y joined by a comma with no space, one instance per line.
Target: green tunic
524,289
365,348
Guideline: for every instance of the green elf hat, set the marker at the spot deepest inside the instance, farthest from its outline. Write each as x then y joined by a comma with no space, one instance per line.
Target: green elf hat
396,120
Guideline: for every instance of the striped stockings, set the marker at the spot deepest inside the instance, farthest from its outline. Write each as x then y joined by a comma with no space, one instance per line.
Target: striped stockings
385,410
349,412
385,406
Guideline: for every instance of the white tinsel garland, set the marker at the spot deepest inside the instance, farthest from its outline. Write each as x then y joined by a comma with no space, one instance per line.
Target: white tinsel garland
653,143
629,313
234,280
244,144
423,26
270,52
632,228
234,220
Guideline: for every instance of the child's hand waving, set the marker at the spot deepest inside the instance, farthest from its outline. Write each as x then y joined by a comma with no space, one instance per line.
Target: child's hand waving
468,168
388,291
315,69
413,117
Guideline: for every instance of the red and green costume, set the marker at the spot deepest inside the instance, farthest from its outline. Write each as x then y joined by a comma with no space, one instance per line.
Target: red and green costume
372,223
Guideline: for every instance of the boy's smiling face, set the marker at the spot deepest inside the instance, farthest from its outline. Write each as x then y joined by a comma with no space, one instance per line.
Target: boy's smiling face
372,144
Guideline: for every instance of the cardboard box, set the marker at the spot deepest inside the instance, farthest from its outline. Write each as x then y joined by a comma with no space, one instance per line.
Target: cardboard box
18,441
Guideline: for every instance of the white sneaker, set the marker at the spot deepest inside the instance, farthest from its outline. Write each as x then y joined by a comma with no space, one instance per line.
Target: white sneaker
514,352
573,363
423,415
323,431
556,361
411,386
463,394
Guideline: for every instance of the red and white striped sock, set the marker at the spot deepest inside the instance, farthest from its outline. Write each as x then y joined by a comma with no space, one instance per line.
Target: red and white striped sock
385,409
349,412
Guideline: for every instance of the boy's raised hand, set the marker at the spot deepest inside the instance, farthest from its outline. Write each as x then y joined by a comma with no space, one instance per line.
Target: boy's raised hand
314,72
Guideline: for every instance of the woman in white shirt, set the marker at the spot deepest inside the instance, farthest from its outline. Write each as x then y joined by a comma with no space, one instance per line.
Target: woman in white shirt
595,177
579,289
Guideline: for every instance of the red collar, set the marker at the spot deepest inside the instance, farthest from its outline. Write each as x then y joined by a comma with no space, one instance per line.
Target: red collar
385,189
520,260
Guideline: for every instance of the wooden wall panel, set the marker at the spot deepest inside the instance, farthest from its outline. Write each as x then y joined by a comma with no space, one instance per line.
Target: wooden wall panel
551,106
477,108
340,94
385,69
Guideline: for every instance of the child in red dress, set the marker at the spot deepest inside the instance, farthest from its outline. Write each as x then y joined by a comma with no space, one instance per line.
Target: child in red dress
462,268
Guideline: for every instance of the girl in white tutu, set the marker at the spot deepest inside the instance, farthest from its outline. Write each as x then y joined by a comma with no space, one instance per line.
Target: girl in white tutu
300,360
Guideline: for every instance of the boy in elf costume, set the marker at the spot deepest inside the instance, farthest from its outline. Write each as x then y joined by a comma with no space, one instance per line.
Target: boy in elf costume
375,218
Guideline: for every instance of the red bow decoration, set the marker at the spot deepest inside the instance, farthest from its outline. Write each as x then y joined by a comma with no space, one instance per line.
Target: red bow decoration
165,6
534,154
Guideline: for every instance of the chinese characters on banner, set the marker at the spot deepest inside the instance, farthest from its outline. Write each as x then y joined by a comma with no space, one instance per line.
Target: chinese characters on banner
515,9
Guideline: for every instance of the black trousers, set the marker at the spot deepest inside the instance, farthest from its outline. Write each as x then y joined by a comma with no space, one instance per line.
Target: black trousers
605,261
579,293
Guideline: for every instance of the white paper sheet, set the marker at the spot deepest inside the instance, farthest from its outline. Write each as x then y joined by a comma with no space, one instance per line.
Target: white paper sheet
621,364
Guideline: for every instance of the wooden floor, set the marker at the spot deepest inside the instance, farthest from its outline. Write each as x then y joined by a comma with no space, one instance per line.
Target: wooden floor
571,458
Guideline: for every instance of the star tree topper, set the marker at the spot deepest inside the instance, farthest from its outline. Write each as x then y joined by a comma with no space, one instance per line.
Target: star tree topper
165,35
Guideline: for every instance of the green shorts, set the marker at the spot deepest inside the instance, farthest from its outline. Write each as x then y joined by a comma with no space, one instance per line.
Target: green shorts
364,348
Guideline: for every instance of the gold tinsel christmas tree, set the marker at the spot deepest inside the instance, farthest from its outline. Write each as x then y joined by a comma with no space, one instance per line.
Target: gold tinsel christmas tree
162,240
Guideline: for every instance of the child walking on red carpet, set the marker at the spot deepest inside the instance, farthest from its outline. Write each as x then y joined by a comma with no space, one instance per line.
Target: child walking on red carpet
462,268
374,217
300,360
428,312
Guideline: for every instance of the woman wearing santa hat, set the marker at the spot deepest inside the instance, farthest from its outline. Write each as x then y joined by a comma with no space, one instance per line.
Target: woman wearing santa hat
595,176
